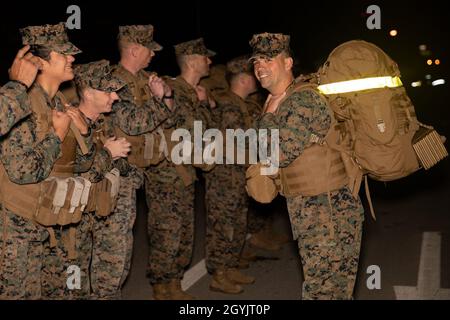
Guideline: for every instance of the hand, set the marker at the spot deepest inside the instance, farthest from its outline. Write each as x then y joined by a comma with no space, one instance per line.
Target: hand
61,124
77,118
201,93
168,102
156,85
25,67
119,148
167,89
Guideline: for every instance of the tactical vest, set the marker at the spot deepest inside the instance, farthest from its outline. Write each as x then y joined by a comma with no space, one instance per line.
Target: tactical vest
61,198
144,147
103,194
319,169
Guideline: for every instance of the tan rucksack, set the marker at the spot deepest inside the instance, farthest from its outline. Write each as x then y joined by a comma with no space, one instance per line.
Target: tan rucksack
377,122
377,119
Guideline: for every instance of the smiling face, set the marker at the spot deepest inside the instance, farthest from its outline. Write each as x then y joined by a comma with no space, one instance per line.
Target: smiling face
59,67
102,101
271,72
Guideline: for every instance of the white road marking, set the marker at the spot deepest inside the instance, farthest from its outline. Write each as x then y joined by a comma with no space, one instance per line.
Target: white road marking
429,278
197,272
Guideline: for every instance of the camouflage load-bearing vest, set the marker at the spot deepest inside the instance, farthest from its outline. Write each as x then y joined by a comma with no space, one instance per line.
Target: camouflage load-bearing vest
103,194
145,147
61,198
319,169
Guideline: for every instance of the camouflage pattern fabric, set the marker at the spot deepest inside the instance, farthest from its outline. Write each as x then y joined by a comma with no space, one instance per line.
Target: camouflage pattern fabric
50,36
227,203
191,47
130,116
328,232
170,229
14,105
189,108
111,237
140,34
103,163
28,160
226,197
113,243
239,65
20,257
97,75
269,45
134,118
329,242
170,203
56,263
216,80
259,216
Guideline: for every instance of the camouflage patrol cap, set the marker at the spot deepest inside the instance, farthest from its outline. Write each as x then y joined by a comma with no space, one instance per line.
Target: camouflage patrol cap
140,34
51,36
97,75
196,46
269,45
240,65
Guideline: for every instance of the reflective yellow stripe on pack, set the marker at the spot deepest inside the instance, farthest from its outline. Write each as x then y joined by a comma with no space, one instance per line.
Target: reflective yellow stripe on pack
360,84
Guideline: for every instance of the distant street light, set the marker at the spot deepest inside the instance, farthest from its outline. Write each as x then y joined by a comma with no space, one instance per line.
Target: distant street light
437,62
393,33
429,62
416,84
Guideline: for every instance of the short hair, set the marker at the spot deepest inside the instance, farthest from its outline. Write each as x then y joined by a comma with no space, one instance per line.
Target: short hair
40,51
80,90
230,76
182,60
123,44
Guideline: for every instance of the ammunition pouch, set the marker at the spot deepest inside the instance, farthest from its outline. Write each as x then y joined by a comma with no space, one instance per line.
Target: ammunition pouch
62,201
145,148
104,194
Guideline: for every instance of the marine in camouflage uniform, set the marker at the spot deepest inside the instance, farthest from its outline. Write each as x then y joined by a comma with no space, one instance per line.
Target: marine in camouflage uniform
226,197
107,247
14,105
14,100
137,113
327,226
28,157
170,191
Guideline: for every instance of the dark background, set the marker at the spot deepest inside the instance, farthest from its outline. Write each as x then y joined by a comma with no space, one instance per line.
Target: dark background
316,27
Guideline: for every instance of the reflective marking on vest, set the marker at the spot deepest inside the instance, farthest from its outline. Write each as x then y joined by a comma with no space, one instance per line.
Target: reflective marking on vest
360,85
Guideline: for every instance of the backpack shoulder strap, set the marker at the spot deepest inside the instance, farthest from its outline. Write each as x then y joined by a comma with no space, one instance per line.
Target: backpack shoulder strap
74,129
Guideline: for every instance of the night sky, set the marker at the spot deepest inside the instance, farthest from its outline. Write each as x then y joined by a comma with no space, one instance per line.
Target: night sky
316,27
